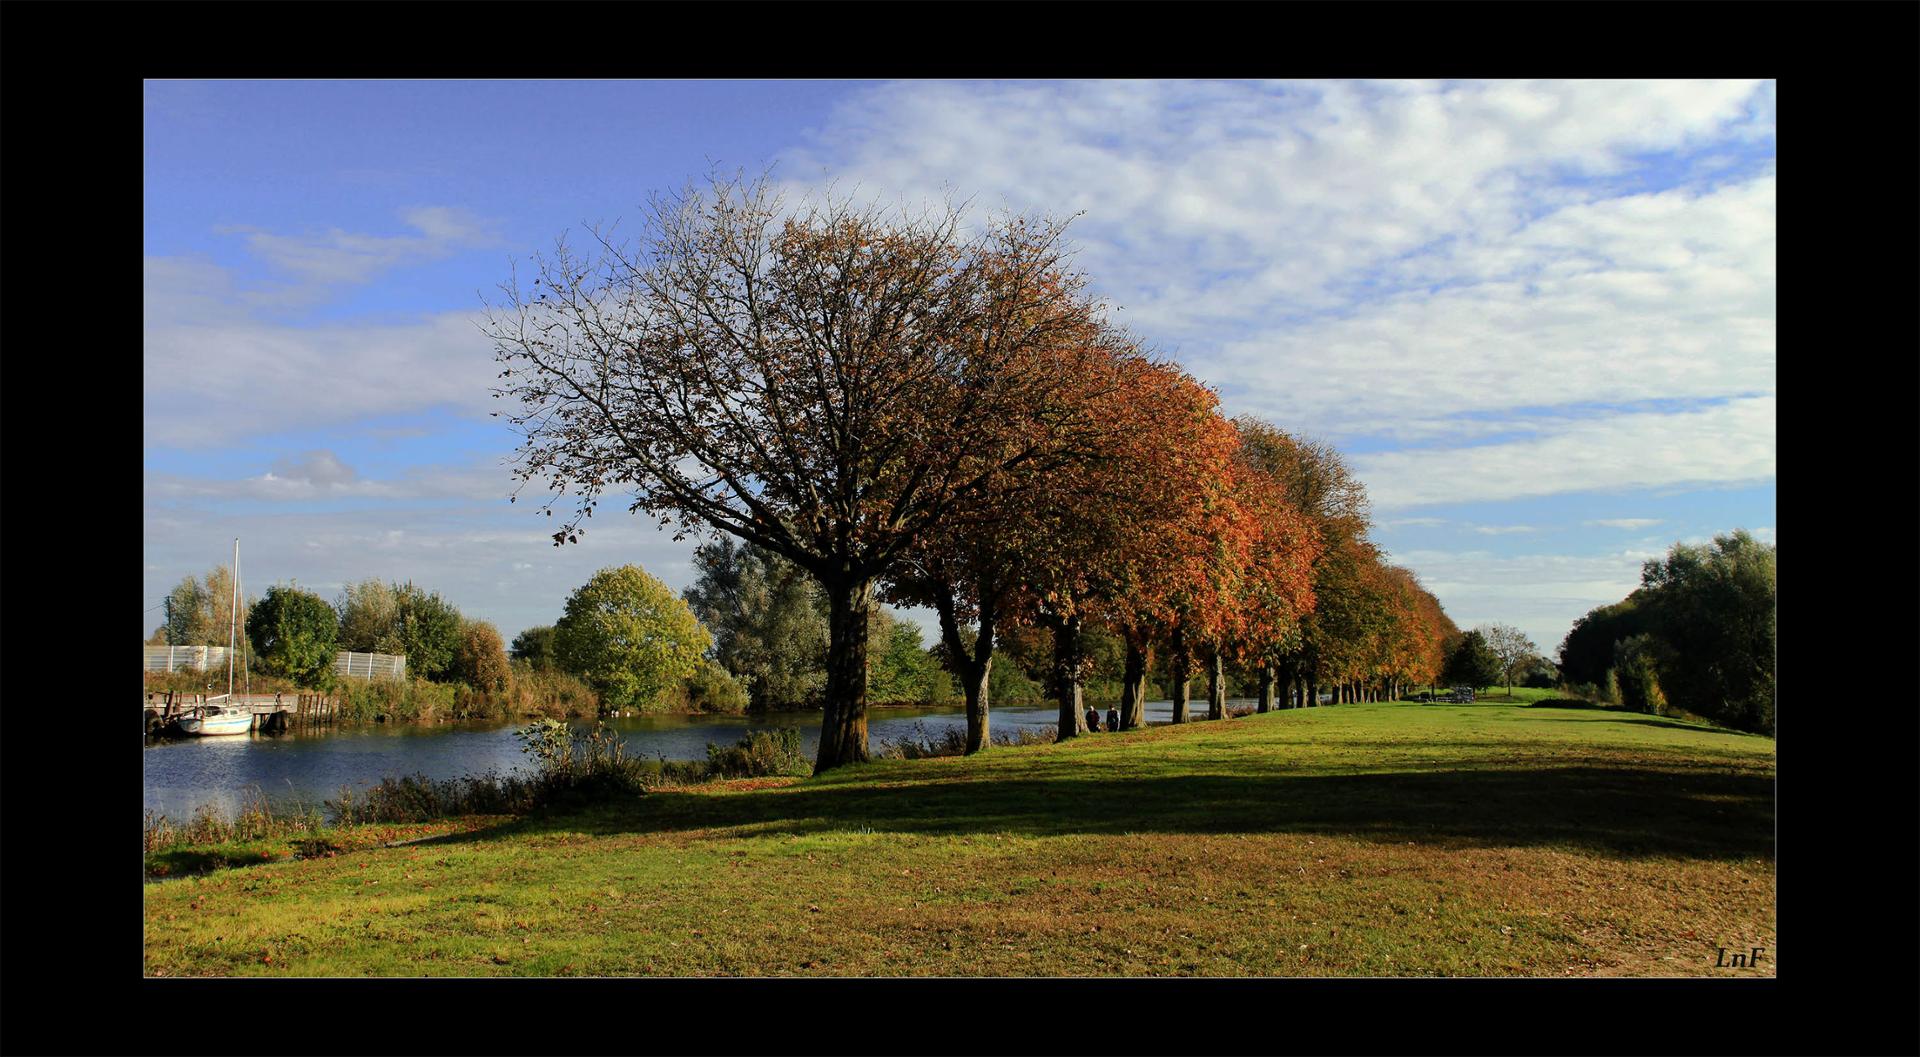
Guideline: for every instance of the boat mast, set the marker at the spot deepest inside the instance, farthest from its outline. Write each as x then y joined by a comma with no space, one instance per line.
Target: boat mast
233,617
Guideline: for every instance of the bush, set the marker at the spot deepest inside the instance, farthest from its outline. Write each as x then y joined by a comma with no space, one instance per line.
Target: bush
480,659
398,700
533,691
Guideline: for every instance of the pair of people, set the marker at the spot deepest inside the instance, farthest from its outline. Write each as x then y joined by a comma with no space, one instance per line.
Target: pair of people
1093,719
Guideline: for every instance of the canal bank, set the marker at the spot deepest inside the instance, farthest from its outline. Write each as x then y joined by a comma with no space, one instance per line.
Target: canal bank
309,766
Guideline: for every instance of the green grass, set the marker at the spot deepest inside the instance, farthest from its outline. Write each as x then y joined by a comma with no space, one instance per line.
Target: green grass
1494,838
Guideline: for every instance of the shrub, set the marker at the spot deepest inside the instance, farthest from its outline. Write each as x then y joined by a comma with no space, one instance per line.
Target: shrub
547,692
399,700
710,688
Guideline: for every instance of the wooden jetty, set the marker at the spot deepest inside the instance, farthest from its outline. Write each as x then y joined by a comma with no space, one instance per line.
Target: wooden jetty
272,713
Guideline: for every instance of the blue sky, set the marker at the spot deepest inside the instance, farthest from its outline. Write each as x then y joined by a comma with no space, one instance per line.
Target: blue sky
1538,316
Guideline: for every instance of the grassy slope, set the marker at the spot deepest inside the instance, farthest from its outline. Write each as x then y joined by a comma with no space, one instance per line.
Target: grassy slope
1485,839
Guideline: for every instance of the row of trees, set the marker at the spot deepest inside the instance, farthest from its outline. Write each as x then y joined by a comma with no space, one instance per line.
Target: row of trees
910,410
1697,635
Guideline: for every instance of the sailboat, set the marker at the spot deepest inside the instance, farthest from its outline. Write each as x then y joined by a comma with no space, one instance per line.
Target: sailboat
229,718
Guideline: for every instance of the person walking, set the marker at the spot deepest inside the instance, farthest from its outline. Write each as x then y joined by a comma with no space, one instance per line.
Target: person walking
1113,717
1093,719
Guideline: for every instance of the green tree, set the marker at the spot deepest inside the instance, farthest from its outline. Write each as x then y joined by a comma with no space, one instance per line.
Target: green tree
198,612
903,671
535,646
427,628
629,637
1713,609
1473,662
369,617
480,660
294,633
768,620
1587,651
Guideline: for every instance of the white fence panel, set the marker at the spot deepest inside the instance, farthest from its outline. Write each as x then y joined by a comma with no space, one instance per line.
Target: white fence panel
370,665
211,658
175,658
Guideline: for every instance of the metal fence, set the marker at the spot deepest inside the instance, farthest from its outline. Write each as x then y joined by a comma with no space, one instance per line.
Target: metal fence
209,658
370,665
174,658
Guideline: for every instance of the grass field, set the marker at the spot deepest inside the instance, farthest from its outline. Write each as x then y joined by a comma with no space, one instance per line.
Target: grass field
1489,839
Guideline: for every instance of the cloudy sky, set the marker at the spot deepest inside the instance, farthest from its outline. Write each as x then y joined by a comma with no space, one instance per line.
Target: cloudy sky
1537,316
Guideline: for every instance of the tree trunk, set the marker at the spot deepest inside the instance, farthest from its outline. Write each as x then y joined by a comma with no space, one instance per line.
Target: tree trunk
1133,689
976,691
1177,676
1216,685
1312,689
1066,676
974,668
843,729
1266,690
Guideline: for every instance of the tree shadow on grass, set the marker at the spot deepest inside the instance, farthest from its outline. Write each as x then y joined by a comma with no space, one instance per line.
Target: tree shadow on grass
1623,811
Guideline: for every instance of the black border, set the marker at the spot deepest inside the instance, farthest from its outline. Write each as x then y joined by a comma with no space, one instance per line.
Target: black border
1849,396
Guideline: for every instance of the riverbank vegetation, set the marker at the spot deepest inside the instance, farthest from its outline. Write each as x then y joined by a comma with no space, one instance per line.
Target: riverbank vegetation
1382,839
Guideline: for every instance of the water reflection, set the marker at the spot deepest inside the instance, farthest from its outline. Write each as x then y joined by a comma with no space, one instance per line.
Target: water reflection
306,768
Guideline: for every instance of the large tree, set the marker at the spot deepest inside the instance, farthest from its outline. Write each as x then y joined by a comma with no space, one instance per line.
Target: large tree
1137,540
198,611
294,633
826,382
629,637
1473,663
369,617
1317,482
1278,594
1713,609
768,627
1587,650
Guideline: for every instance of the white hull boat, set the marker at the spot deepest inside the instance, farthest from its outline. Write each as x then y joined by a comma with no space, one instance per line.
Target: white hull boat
217,720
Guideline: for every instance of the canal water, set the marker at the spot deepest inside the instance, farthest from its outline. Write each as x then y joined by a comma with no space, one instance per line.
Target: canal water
180,777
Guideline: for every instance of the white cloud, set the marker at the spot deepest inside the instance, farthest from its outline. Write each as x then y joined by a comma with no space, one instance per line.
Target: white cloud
1730,443
1629,523
215,371
320,475
337,256
1502,530
1377,258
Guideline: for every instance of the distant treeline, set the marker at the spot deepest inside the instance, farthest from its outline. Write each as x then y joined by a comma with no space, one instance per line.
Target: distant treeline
1698,636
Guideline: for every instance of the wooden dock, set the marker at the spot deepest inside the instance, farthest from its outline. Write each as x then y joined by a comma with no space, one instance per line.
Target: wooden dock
272,713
